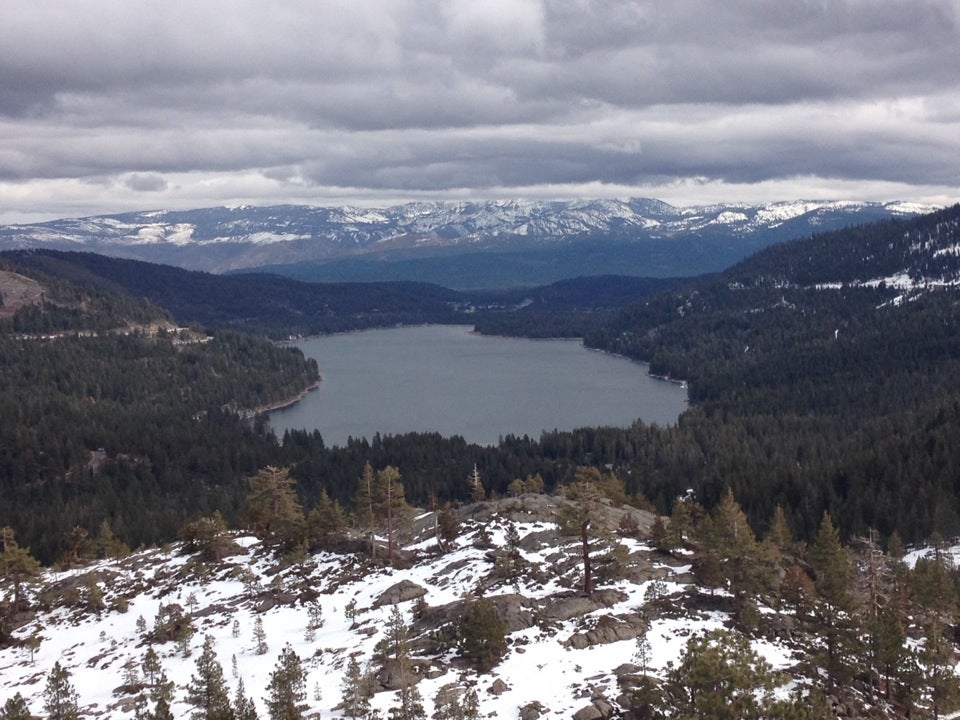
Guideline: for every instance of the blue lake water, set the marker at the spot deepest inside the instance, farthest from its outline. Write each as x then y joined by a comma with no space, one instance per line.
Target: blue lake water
447,379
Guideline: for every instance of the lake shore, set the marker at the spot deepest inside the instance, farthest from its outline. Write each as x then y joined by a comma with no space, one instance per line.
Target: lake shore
280,404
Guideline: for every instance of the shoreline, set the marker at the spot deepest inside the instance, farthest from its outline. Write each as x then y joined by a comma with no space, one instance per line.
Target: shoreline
280,404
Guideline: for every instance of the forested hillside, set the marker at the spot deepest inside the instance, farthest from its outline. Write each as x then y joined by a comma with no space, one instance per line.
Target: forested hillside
113,415
264,305
815,388
826,374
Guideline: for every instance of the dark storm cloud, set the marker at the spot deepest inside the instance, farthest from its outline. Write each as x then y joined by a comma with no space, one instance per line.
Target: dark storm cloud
409,96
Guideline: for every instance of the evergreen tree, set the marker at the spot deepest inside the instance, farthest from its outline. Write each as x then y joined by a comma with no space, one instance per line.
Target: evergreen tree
15,709
779,536
356,691
728,544
396,514
477,492
150,665
937,660
409,705
448,527
482,635
721,678
243,706
366,499
273,510
260,637
208,536
326,521
17,565
315,615
588,494
59,697
834,607
207,691
887,644
287,688
161,694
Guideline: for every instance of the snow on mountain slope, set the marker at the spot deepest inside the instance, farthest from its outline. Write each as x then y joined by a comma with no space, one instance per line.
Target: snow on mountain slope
298,233
545,663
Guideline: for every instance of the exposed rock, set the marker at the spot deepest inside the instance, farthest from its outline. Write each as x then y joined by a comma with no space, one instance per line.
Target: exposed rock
393,676
534,541
499,687
400,592
609,628
564,608
273,599
532,711
626,669
517,611
588,712
604,707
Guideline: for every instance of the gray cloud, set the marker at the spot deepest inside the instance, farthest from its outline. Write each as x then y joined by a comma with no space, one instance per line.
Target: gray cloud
409,97
146,182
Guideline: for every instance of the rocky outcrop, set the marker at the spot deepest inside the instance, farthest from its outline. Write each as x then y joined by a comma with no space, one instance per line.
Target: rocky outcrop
609,629
532,711
570,606
400,592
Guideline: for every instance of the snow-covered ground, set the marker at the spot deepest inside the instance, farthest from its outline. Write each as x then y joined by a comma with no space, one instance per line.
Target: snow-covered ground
99,650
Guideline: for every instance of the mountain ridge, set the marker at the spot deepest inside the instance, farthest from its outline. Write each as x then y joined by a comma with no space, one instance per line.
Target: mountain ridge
222,239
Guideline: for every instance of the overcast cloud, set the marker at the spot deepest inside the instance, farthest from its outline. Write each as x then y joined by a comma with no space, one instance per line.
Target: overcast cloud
113,106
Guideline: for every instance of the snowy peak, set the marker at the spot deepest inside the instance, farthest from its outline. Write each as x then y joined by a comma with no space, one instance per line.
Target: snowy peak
226,238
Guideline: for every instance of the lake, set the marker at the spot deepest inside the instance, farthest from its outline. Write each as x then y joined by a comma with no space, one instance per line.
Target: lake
447,379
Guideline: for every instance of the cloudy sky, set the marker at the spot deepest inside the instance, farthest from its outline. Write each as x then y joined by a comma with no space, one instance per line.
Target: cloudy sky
108,106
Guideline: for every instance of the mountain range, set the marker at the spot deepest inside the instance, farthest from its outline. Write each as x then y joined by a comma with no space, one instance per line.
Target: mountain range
461,245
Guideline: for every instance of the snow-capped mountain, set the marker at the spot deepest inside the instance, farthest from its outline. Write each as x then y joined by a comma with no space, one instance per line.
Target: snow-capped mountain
224,239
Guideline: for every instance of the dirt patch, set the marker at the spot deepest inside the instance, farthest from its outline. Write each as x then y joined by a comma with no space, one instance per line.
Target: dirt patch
18,291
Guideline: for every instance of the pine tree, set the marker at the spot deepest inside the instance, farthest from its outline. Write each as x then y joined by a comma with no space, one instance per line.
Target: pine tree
273,510
243,707
326,521
17,565
727,541
643,652
150,665
59,697
477,493
161,694
397,515
207,691
315,615
365,501
831,564
15,709
287,688
448,527
481,635
578,518
719,677
260,637
887,643
355,691
779,536
834,607
937,670
208,536
409,705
